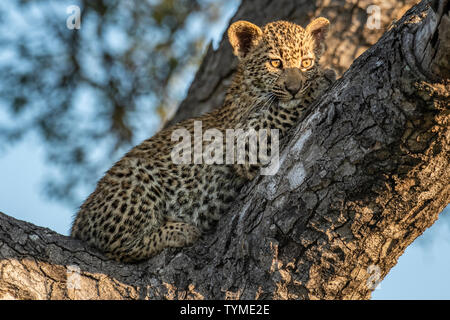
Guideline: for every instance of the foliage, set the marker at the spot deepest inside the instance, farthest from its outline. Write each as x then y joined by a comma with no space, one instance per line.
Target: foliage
86,92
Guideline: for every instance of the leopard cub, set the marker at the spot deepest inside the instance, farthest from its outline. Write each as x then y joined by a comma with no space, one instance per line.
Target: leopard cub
146,202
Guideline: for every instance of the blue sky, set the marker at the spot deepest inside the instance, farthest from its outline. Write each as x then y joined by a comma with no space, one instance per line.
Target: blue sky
421,273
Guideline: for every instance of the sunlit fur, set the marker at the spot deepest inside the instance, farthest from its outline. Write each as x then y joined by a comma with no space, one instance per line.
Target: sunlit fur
290,43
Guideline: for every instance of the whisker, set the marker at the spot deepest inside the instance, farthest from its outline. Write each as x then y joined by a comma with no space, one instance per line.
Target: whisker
268,102
280,93
304,89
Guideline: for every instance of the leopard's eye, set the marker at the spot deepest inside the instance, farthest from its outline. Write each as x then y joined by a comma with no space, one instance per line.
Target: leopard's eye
307,63
276,63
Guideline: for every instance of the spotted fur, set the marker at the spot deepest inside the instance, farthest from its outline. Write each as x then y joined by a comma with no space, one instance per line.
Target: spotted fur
146,203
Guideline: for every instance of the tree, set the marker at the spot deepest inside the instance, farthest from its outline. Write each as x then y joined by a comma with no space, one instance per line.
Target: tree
363,174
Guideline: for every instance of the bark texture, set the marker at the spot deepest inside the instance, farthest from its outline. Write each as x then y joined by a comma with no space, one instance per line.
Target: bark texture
361,177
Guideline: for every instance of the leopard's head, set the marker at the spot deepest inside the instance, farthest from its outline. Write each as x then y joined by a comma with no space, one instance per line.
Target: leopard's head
281,60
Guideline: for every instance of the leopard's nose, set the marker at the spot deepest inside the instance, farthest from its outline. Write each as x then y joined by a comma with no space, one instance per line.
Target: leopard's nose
294,80
293,88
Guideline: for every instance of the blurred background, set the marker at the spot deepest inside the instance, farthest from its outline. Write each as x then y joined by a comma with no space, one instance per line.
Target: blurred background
72,102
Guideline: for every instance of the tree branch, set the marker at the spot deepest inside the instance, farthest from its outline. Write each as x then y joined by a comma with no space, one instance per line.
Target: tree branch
361,177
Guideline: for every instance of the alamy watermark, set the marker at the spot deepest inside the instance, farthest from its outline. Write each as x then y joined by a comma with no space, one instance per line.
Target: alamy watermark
373,282
374,18
73,21
241,147
73,277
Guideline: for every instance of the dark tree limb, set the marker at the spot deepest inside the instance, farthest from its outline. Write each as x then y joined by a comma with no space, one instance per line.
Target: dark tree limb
362,176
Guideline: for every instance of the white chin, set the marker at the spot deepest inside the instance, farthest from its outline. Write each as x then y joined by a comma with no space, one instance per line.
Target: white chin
290,103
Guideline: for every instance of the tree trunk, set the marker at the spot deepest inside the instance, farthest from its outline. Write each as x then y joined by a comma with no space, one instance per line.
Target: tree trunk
361,177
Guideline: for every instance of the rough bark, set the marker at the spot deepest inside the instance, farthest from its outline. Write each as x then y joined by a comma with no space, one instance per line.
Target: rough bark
361,177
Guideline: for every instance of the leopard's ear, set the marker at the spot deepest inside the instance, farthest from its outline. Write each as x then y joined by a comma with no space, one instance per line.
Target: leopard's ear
318,28
243,36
